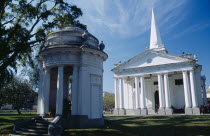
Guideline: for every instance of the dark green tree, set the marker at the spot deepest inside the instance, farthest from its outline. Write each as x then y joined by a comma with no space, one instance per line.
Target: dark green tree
19,93
108,101
24,25
2,97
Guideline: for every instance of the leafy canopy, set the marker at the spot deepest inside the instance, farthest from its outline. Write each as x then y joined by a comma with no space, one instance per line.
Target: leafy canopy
24,25
18,93
108,101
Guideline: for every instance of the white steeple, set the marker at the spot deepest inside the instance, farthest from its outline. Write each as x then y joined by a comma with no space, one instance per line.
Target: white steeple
155,40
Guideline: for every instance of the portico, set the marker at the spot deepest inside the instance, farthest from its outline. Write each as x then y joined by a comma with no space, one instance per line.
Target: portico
164,88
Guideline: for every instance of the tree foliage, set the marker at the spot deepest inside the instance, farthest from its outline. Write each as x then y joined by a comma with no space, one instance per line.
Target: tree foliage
24,25
108,101
18,93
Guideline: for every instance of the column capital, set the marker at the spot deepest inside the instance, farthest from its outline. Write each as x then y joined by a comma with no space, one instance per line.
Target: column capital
191,70
75,67
165,73
159,74
142,76
60,65
60,68
185,71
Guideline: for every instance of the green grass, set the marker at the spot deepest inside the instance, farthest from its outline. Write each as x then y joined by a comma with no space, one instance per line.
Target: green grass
128,126
149,126
7,120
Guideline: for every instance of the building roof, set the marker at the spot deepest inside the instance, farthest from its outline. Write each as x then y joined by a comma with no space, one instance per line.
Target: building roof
157,55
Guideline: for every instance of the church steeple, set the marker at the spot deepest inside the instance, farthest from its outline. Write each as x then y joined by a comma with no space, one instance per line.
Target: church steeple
155,39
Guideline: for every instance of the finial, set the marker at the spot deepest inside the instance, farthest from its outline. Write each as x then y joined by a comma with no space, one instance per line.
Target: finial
101,46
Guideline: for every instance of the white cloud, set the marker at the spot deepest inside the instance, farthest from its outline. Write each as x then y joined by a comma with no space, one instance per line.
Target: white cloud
127,18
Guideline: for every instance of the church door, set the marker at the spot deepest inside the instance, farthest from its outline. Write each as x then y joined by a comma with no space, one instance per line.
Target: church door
156,101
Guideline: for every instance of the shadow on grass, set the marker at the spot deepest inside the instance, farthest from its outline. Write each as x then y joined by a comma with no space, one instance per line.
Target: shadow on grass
7,122
148,126
6,131
162,125
93,132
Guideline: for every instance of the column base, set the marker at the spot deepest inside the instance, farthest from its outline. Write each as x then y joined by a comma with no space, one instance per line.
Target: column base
150,111
188,111
162,112
121,112
116,112
130,112
196,111
82,121
137,112
144,111
169,111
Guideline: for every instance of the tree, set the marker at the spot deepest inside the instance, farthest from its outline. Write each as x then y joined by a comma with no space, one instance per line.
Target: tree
108,101
18,93
24,25
2,97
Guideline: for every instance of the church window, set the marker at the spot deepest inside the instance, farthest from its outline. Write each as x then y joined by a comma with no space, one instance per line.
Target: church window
155,83
178,82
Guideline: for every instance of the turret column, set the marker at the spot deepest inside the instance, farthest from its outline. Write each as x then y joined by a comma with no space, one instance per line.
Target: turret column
59,101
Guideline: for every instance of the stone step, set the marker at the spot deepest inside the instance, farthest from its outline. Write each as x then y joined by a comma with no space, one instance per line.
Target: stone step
48,119
34,130
39,124
30,133
42,121
37,127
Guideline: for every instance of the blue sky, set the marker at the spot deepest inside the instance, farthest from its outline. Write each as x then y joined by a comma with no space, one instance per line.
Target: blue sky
124,27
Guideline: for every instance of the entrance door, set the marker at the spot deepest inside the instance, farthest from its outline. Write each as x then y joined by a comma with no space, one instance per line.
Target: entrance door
156,101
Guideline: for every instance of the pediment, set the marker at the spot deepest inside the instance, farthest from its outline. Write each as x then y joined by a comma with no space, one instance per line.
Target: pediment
149,59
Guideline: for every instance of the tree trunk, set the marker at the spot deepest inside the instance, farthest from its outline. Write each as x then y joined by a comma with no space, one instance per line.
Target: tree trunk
18,110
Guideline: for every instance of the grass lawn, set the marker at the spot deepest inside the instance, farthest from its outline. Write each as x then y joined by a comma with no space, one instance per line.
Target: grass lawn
175,125
149,126
7,120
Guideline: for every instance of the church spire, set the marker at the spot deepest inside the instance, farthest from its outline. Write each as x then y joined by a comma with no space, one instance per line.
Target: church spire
155,40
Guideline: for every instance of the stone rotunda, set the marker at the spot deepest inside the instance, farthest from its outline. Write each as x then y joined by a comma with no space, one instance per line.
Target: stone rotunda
71,77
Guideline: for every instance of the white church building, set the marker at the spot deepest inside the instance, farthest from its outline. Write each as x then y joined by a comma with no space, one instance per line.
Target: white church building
155,82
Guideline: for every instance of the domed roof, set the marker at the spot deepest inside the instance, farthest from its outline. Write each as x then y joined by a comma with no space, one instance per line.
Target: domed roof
71,36
72,28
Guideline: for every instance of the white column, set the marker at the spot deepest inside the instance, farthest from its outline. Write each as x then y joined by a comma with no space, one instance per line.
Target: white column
83,82
186,89
121,94
137,92
193,87
143,100
160,87
75,90
116,92
40,109
46,90
59,100
167,91
204,93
